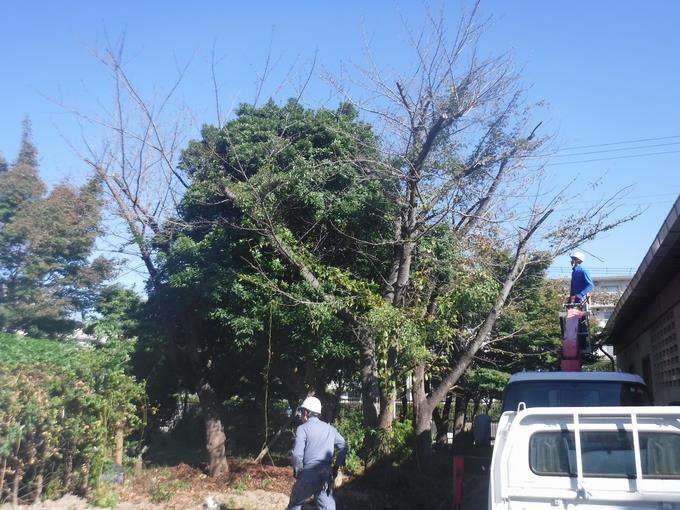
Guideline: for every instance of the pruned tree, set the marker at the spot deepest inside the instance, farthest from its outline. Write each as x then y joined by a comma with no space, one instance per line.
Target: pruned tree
332,217
454,162
137,162
460,138
297,181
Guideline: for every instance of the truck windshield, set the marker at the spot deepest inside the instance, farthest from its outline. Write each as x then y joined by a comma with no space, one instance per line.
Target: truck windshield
574,394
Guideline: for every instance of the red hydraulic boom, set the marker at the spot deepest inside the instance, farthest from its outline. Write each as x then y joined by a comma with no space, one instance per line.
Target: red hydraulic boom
574,335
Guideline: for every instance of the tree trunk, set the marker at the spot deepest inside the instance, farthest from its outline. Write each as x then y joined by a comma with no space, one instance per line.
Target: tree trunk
68,473
460,365
16,483
2,477
403,412
120,436
388,402
370,392
38,484
475,405
459,414
210,405
442,420
85,485
387,410
422,417
423,431
214,431
404,271
389,391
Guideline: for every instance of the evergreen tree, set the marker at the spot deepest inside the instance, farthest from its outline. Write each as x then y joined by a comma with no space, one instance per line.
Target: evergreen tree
45,243
20,182
28,154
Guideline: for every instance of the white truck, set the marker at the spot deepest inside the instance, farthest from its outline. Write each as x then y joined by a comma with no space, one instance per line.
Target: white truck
584,441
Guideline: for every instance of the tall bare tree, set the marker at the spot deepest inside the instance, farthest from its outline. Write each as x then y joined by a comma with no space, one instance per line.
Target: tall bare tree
460,136
138,164
457,138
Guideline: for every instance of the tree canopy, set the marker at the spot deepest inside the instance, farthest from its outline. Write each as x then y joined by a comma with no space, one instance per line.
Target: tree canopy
47,273
294,249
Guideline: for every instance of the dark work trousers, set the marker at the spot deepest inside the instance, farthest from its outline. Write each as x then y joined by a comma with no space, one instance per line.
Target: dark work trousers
311,484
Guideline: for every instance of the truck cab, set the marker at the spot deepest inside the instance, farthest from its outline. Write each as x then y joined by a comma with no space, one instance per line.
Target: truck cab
575,389
584,440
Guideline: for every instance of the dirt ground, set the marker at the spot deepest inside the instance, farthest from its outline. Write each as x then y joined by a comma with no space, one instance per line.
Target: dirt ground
249,486
245,500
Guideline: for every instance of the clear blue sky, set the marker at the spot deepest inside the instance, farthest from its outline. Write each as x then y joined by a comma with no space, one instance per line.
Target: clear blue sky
608,70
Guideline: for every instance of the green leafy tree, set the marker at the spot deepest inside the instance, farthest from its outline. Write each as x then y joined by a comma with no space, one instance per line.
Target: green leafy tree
118,313
20,182
388,241
405,252
3,165
259,329
46,275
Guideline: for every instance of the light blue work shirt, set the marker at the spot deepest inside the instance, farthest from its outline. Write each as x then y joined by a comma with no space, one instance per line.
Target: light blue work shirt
314,445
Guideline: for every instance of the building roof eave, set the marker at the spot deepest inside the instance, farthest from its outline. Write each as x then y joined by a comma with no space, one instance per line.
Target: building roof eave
658,267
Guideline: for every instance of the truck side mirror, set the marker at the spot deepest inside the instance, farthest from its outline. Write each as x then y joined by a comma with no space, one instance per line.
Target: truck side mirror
481,430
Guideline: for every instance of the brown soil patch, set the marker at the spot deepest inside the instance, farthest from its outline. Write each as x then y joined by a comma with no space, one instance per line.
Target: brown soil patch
248,485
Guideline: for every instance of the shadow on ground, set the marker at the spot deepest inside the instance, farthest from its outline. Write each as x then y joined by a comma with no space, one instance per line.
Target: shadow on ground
410,487
388,486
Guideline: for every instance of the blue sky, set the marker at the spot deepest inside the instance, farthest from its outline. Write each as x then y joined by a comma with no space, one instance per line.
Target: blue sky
608,71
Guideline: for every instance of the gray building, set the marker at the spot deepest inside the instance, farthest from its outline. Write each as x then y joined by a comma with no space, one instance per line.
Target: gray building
608,290
644,326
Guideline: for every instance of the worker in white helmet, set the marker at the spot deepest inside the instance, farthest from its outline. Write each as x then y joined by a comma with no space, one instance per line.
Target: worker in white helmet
581,283
581,286
313,467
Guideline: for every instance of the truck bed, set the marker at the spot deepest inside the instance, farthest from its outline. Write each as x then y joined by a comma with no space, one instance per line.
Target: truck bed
601,458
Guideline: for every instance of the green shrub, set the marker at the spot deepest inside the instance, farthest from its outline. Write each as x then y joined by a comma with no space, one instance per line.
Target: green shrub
63,403
103,496
160,493
401,442
350,425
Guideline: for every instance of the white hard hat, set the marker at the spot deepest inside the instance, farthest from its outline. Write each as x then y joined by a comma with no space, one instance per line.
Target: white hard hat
578,255
312,404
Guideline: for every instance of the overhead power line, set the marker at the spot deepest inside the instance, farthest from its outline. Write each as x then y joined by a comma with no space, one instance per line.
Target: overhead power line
566,154
591,269
646,200
574,147
636,147
630,156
